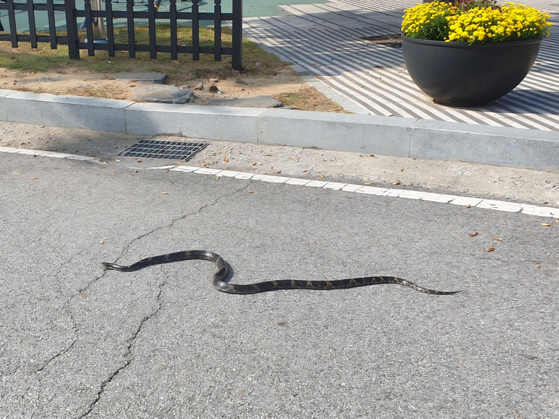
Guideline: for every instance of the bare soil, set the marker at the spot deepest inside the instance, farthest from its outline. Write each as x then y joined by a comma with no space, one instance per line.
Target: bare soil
283,85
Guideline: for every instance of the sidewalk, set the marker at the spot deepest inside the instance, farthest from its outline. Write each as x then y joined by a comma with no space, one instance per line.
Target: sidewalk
325,39
391,116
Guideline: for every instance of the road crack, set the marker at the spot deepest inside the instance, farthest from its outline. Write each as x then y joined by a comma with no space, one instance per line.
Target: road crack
129,350
66,308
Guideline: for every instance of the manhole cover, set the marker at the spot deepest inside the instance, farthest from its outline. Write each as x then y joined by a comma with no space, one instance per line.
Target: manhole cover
390,40
154,149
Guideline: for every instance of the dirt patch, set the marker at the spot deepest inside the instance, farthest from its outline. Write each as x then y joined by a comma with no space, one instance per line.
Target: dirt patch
283,85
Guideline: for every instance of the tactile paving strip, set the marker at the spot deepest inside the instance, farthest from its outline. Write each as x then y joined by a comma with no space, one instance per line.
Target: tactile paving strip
156,149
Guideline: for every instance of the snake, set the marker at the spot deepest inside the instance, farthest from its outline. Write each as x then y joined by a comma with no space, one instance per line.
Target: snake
221,285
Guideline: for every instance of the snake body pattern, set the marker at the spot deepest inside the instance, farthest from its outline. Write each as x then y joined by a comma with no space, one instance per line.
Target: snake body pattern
221,274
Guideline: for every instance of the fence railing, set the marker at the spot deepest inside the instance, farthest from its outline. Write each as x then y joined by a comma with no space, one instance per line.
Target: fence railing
171,17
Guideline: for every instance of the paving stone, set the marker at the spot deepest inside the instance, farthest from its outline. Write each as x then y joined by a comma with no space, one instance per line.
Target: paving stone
249,102
141,77
162,94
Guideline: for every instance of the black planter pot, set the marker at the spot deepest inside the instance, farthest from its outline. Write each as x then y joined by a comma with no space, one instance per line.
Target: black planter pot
458,74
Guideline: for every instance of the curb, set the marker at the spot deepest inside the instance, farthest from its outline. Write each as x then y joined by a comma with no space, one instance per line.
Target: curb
399,137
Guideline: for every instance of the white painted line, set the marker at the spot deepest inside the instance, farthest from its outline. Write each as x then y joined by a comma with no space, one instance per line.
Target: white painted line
372,190
28,152
207,171
76,157
412,194
187,169
296,181
500,205
351,188
394,192
466,200
244,176
540,211
228,173
445,199
335,186
161,168
270,178
316,183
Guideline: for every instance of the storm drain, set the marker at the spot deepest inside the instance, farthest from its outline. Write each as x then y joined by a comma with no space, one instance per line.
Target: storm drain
155,149
391,40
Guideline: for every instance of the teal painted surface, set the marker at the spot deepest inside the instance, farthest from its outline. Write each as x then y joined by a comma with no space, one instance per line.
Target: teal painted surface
251,8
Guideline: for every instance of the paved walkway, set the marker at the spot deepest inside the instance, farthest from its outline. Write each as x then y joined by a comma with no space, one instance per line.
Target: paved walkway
325,39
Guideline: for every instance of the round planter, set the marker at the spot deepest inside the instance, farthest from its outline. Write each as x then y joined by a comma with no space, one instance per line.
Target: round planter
458,74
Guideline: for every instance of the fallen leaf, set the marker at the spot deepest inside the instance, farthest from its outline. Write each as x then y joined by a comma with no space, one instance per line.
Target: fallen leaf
250,191
397,182
538,266
474,234
545,224
102,241
226,159
33,177
557,220
468,206
164,193
132,85
322,176
490,249
206,164
368,183
371,155
401,170
498,239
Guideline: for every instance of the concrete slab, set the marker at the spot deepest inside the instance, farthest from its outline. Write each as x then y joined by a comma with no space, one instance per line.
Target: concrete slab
249,102
485,144
211,123
339,132
141,77
161,94
66,111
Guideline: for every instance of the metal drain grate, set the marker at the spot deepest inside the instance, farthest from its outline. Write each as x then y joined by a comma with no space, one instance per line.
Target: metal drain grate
155,149
392,40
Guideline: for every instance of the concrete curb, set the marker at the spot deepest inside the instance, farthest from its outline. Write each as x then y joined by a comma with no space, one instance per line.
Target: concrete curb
401,137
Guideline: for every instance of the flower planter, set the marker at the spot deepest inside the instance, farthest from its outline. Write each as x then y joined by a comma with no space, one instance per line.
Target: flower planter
458,74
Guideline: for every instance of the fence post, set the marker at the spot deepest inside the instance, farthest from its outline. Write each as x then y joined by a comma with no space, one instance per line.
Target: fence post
217,30
173,29
237,35
195,31
130,25
32,26
72,29
151,30
12,19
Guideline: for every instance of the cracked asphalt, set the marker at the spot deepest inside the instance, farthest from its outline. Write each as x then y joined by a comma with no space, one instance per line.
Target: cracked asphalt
80,342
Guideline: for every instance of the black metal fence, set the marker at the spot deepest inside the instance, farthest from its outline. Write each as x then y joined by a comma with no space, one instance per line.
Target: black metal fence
152,15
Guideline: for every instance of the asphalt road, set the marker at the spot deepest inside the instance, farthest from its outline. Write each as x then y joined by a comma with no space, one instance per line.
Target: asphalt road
76,341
